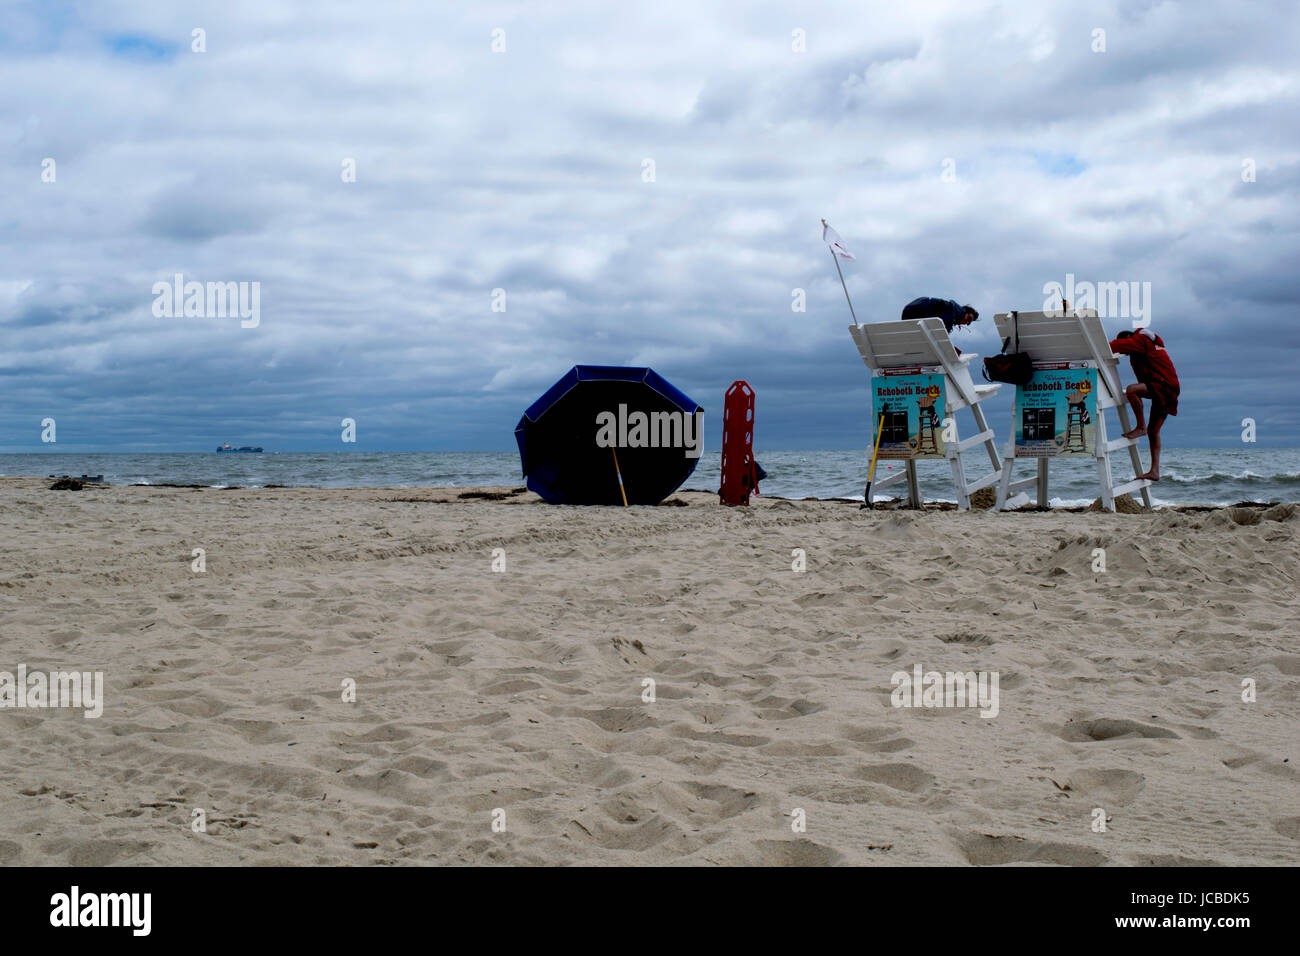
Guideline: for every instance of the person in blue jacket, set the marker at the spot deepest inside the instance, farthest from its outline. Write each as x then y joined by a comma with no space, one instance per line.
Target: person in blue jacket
953,315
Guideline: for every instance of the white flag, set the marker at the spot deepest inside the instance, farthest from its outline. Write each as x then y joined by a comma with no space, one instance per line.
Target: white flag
832,239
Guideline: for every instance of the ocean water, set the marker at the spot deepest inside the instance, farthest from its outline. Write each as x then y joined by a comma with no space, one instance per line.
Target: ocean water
1189,475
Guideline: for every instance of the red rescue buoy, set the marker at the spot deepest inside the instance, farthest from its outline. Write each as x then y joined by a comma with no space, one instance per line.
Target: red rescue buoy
739,473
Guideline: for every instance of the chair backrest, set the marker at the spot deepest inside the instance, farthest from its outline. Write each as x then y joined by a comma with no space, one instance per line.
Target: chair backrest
1066,337
907,343
903,343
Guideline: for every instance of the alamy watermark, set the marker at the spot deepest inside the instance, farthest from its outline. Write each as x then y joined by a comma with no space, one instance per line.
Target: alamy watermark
213,300
1112,300
952,689
41,690
75,908
622,429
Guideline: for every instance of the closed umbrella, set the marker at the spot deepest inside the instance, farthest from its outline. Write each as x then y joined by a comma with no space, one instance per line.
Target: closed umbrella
602,421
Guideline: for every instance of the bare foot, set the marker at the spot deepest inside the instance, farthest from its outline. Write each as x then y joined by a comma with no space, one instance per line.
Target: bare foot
1135,432
1151,476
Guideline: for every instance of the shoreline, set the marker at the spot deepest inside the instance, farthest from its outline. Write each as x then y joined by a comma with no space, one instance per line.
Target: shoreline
1193,476
694,497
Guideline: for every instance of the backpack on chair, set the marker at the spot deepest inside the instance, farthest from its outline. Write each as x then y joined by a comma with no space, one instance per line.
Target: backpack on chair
1013,368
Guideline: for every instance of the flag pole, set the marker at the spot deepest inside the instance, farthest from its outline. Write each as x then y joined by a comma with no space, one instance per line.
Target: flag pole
836,259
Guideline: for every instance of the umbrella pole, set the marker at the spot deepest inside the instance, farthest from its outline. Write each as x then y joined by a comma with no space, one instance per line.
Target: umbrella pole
620,475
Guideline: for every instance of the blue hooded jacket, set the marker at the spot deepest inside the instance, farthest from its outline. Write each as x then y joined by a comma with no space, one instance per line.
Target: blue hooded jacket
946,309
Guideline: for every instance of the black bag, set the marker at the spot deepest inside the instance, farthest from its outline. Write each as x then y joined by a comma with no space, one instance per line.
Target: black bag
1014,368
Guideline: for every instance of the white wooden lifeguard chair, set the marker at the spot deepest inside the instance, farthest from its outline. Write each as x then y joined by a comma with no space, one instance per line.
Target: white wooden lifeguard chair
1071,337
923,346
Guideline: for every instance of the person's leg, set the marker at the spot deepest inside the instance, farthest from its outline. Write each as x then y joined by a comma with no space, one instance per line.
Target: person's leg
1158,417
1135,394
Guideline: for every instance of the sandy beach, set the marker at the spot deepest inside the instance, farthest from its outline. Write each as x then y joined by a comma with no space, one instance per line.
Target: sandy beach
522,690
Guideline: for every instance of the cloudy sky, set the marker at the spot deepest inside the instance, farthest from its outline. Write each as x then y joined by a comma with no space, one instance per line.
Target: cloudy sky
527,170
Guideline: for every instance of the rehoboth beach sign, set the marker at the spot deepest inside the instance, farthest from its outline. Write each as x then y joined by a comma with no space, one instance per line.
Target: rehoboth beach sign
913,407
1056,411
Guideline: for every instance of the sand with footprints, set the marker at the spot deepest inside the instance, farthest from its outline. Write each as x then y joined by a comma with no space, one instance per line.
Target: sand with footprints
520,696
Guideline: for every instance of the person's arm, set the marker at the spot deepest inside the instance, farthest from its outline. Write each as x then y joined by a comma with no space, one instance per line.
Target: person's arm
1129,345
952,314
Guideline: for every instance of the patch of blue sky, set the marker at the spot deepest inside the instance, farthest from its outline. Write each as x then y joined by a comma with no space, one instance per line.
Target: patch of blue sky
136,46
1058,164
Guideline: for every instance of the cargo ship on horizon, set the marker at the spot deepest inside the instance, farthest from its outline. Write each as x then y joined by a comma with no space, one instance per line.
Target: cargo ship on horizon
227,447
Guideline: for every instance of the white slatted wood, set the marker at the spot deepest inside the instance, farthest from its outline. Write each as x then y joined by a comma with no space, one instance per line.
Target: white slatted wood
1133,485
975,439
992,478
886,482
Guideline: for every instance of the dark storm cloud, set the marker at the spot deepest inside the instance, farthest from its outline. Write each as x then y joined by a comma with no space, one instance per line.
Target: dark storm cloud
198,212
523,171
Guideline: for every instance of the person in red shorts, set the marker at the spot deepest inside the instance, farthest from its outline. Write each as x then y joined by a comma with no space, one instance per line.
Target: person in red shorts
1156,380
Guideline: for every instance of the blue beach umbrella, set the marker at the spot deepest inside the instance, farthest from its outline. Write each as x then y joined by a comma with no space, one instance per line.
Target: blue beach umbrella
565,464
